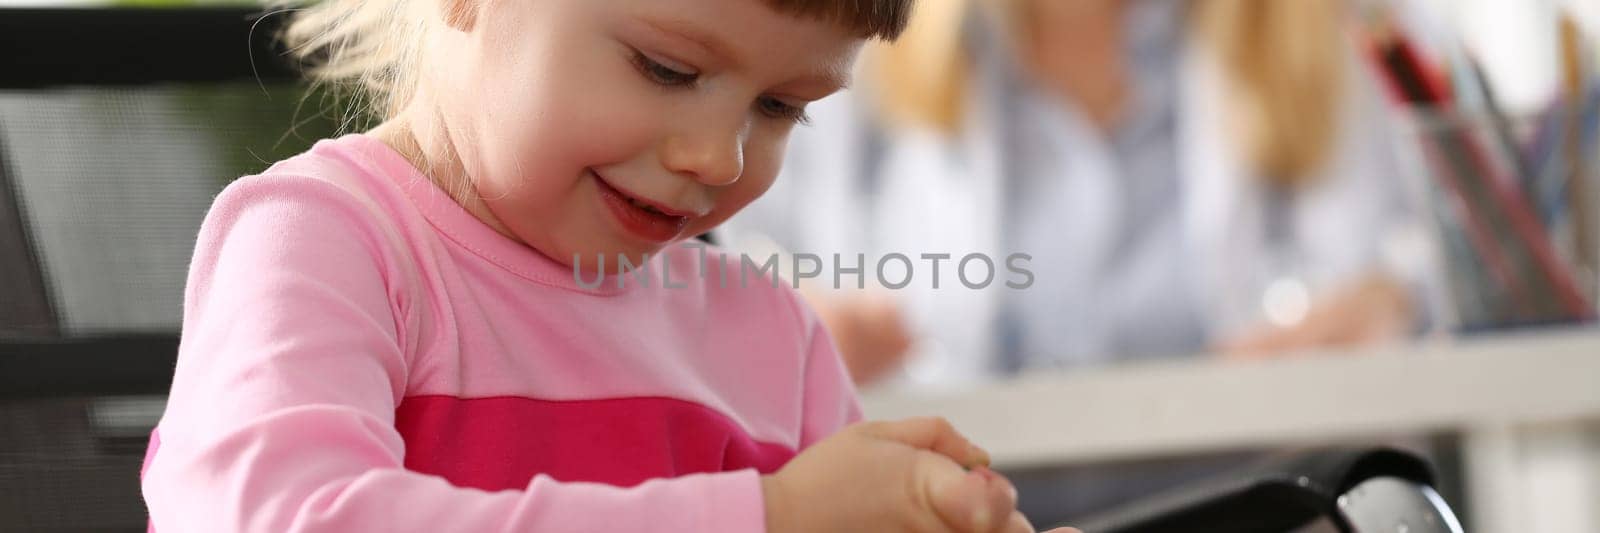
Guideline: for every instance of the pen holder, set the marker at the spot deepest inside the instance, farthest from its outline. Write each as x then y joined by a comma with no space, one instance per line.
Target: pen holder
1511,212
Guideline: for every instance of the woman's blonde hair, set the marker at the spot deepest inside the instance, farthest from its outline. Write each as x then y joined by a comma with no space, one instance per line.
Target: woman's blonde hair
1283,57
1286,60
368,50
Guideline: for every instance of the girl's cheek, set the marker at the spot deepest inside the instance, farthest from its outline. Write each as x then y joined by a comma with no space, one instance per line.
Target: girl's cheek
750,187
764,160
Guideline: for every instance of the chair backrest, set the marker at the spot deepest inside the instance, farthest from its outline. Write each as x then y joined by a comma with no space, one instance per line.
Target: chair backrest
26,308
117,128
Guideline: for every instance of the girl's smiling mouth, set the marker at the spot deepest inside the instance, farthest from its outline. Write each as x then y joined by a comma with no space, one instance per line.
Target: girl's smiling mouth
644,218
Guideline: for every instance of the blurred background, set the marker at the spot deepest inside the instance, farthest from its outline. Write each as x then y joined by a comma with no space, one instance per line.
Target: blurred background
1253,227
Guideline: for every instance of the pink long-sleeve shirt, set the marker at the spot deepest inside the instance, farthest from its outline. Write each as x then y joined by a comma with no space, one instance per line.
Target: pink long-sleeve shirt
360,353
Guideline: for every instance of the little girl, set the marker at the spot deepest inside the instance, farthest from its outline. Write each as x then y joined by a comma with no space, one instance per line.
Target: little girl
388,333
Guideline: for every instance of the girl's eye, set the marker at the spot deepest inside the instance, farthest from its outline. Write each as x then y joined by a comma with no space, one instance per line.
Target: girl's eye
662,74
779,109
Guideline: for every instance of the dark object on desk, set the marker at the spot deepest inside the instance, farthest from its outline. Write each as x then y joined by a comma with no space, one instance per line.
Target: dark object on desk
117,127
1356,490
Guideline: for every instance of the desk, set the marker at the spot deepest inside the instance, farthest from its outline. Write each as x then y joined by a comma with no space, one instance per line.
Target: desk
1527,405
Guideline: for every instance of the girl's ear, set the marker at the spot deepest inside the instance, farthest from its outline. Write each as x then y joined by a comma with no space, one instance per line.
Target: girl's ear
460,14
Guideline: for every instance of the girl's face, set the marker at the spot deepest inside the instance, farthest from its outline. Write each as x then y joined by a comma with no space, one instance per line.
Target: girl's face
620,126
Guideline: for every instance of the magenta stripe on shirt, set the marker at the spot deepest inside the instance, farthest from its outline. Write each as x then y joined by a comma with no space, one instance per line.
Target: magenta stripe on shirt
503,442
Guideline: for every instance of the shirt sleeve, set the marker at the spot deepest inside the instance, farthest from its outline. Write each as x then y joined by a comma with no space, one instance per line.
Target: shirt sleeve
830,401
281,415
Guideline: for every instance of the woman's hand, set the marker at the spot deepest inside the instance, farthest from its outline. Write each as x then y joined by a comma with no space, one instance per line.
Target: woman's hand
868,329
916,475
1376,309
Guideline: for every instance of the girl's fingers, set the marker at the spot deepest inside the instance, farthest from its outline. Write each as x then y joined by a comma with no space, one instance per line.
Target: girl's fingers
932,434
1002,498
961,500
1019,524
977,501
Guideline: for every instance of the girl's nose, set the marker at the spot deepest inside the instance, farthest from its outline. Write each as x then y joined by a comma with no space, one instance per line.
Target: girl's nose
710,153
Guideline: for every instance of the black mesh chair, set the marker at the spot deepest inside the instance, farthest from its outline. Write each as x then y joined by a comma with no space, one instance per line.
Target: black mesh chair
117,127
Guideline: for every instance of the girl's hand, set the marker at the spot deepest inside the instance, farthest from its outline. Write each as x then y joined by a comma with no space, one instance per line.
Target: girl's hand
911,475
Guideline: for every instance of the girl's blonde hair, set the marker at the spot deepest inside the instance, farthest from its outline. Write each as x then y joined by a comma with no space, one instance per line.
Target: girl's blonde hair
364,50
1284,58
368,50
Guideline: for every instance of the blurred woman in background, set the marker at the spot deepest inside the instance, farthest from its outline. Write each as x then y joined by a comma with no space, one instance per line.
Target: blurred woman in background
1188,176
